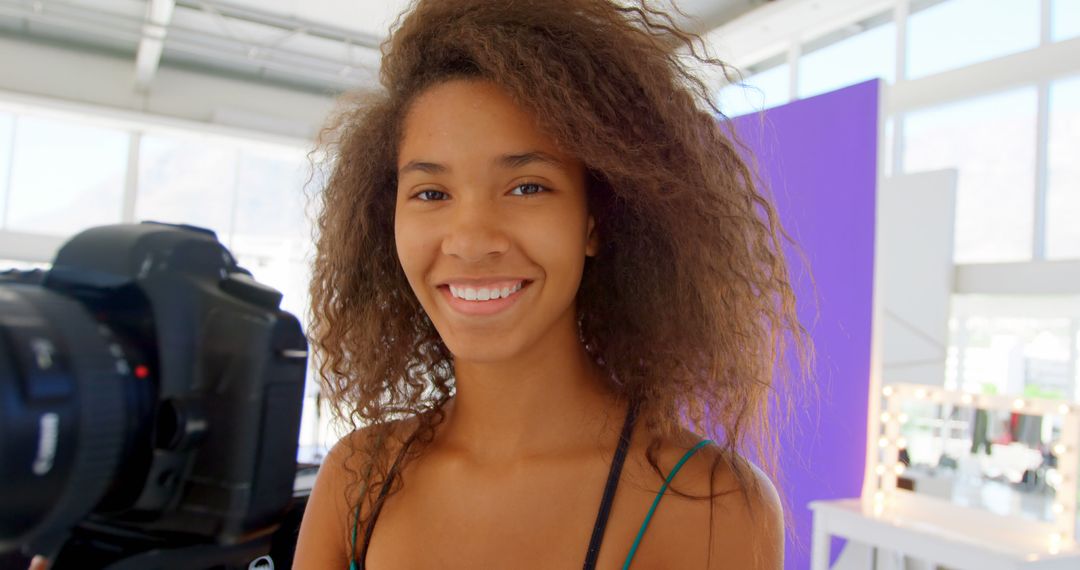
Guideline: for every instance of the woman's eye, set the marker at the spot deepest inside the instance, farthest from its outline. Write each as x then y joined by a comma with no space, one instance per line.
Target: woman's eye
430,195
528,189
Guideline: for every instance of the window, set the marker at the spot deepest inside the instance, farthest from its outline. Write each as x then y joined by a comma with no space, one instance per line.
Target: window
767,85
886,139
188,181
991,142
270,195
1014,345
1063,171
865,51
65,176
1064,19
7,132
955,33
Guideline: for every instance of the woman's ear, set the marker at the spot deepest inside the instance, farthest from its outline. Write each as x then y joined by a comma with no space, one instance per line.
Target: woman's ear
592,246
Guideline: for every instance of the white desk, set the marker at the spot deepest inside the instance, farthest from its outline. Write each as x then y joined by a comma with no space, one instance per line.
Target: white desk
941,533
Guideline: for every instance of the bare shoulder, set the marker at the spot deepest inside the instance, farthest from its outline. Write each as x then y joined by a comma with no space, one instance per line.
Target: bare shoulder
741,527
326,530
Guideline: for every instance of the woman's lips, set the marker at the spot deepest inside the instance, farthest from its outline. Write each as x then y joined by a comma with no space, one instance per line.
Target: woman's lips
481,308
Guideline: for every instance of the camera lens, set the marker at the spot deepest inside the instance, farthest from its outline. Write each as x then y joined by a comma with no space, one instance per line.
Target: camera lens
65,385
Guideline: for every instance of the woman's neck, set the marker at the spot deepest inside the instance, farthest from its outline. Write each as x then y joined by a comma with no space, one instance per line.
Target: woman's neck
549,399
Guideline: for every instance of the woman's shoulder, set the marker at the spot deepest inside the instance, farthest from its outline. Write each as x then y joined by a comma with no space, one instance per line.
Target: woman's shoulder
742,526
326,530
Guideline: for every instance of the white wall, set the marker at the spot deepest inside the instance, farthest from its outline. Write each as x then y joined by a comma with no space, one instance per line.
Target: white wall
916,214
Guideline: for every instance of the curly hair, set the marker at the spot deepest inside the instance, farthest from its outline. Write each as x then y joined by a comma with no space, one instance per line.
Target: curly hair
688,304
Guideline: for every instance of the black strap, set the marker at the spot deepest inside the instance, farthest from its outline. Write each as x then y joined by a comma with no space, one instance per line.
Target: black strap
609,490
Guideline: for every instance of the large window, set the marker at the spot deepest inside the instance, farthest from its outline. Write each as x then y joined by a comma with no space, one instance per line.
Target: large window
955,33
766,85
271,235
65,176
990,141
187,180
863,51
1064,19
1063,171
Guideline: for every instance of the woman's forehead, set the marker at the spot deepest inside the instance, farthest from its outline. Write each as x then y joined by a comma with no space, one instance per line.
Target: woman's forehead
471,118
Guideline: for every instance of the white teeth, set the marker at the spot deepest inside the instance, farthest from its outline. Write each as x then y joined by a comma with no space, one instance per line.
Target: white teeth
470,294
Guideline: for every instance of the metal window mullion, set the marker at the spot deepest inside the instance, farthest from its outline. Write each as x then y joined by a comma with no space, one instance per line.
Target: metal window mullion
794,54
1042,143
900,16
1045,22
131,180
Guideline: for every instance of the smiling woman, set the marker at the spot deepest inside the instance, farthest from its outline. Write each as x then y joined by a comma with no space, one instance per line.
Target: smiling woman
545,284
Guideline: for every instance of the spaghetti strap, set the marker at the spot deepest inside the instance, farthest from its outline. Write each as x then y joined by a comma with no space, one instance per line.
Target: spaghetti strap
656,501
614,473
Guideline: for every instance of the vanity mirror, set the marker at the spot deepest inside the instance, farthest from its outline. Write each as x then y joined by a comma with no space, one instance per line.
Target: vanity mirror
1014,457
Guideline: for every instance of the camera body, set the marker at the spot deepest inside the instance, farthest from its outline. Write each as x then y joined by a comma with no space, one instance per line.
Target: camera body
150,397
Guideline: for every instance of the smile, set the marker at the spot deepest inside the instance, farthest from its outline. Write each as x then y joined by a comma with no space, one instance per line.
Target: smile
488,299
489,293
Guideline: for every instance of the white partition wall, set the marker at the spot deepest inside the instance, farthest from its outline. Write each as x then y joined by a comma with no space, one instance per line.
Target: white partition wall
917,213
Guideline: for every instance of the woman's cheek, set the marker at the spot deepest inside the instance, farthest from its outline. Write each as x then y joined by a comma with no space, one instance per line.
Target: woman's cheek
410,242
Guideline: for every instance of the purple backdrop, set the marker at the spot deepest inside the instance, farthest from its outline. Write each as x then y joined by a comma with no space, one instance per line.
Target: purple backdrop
819,157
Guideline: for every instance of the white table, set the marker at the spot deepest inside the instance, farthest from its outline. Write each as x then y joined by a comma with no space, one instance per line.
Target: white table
941,533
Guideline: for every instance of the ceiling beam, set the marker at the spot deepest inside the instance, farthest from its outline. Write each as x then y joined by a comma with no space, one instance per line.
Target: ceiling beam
148,57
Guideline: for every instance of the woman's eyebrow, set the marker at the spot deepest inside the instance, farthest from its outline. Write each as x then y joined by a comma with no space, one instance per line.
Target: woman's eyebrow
516,160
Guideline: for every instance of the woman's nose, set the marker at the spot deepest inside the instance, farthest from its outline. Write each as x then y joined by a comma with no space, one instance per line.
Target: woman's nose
475,232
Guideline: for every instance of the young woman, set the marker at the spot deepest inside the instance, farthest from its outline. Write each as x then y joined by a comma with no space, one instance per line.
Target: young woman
548,290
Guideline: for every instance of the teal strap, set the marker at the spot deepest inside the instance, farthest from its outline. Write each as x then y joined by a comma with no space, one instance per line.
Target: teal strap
363,490
656,501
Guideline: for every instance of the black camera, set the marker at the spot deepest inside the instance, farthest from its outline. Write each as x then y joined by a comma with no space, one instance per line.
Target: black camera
150,400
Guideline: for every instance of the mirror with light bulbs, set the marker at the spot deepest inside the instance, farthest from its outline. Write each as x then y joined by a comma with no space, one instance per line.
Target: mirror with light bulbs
1014,457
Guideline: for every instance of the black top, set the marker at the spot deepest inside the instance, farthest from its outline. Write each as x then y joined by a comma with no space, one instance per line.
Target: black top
601,517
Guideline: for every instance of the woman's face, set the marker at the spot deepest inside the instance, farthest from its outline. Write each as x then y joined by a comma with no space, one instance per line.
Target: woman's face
491,221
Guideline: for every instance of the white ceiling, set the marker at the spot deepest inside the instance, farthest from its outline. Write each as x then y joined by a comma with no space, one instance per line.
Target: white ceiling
365,16
375,16
324,46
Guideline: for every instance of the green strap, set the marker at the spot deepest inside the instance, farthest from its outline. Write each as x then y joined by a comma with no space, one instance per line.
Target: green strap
656,501
363,490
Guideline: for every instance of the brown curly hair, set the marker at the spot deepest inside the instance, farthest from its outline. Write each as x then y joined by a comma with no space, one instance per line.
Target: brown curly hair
688,305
